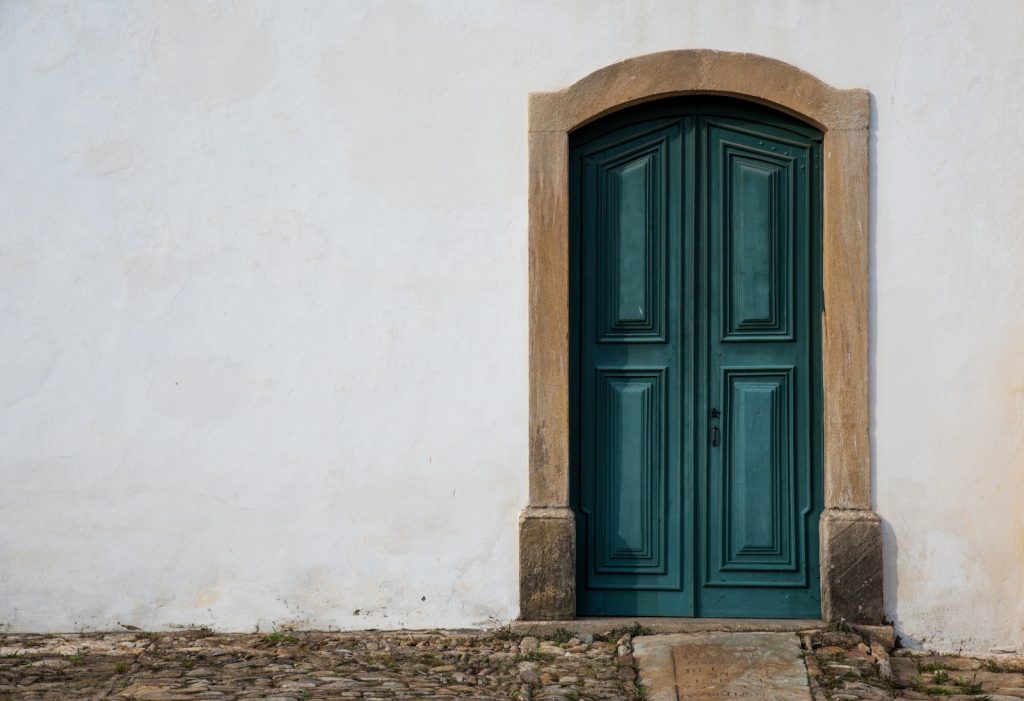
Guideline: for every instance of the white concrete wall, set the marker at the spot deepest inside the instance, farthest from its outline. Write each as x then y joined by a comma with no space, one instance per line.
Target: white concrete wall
263,299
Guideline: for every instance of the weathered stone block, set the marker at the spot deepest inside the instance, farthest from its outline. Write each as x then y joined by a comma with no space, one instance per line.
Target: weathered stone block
547,564
882,635
851,584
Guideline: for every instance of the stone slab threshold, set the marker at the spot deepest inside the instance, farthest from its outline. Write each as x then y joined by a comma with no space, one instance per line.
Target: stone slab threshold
721,666
654,625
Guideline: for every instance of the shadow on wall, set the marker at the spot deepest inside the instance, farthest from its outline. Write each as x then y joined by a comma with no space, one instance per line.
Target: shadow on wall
890,584
890,549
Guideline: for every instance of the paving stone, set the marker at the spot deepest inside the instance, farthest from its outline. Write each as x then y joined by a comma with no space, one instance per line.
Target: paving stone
722,667
883,635
994,680
953,662
904,670
835,639
861,690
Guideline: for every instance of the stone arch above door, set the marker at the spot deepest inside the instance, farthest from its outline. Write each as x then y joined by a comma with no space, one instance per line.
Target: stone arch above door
851,550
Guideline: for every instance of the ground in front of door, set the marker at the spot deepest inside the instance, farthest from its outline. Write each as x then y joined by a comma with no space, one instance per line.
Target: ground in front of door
833,665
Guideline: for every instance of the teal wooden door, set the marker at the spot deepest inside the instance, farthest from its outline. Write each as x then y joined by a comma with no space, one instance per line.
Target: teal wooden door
696,377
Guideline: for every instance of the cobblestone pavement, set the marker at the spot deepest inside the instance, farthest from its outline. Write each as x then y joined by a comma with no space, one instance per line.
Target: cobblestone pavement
195,665
845,666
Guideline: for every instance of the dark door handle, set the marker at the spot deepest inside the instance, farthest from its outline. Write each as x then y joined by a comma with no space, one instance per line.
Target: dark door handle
714,436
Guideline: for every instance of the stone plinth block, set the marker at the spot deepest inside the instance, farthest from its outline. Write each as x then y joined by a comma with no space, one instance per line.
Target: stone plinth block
851,585
547,564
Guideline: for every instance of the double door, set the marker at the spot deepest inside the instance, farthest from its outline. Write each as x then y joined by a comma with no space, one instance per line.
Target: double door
696,373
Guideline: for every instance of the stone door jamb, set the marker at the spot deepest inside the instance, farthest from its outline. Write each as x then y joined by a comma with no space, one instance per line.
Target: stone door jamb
851,540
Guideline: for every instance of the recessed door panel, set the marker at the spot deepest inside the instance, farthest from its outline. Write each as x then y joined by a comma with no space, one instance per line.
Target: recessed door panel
630,243
629,496
757,290
755,495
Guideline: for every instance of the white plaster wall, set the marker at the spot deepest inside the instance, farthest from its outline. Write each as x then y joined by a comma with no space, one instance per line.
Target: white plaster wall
263,298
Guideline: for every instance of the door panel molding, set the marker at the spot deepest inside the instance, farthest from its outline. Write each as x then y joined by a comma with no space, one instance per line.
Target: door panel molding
632,308
851,548
751,173
631,406
747,395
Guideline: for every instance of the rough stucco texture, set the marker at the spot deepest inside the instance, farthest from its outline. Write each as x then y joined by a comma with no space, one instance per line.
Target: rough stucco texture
263,282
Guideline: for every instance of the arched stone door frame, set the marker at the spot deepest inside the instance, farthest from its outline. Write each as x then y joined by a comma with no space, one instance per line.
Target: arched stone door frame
851,541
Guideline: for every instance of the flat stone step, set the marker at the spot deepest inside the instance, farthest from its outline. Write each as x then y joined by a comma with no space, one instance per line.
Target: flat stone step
722,667
669,625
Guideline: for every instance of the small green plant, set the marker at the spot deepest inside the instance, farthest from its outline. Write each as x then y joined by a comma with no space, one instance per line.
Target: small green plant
994,666
832,683
637,630
968,687
560,636
873,676
505,632
429,659
120,668
280,638
634,631
384,659
922,688
940,677
929,667
188,664
75,659
11,655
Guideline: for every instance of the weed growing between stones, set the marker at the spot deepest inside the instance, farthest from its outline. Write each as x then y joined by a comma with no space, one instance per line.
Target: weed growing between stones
561,636
633,631
505,632
930,667
843,666
280,638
